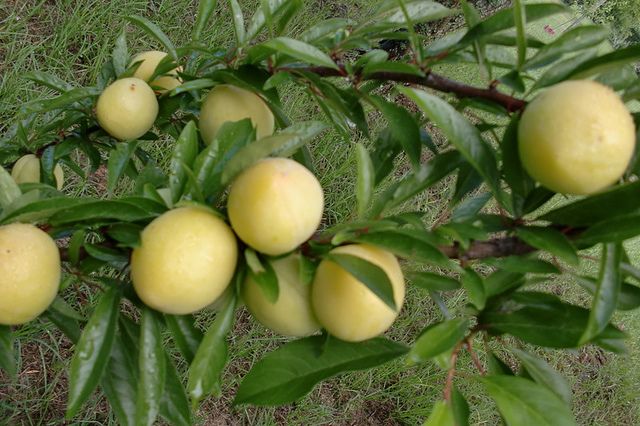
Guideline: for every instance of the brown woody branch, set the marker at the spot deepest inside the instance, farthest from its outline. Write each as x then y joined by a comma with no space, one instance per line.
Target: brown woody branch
431,80
497,247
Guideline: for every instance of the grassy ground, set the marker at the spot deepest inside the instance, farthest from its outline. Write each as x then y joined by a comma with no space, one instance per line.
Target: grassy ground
71,39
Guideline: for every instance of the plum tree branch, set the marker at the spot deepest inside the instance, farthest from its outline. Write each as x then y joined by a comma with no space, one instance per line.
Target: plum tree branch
431,80
496,247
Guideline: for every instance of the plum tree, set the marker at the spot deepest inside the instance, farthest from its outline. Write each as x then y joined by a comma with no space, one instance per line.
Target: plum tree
230,103
275,205
27,169
185,261
345,306
127,108
576,137
29,272
291,313
150,60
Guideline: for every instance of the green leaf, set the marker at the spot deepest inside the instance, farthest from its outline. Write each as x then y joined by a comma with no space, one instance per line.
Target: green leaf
632,92
264,15
365,180
460,408
372,68
291,371
65,319
504,20
432,282
545,375
120,384
238,21
441,415
597,208
541,319
67,98
263,275
403,128
119,159
120,55
496,366
628,298
185,334
325,28
474,285
92,351
154,31
210,163
520,20
605,299
561,70
369,274
198,84
151,367
525,403
301,51
571,41
514,174
437,339
282,144
460,132
615,230
174,405
551,240
523,264
205,9
184,154
115,210
407,243
414,183
211,357
418,10
7,351
49,80
607,62
9,190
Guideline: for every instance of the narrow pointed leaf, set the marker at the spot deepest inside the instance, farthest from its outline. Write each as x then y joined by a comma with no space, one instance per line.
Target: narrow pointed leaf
211,357
120,384
460,132
520,20
525,403
92,351
432,282
119,159
174,405
628,298
154,31
369,274
120,55
238,21
441,415
185,334
205,9
571,41
607,62
437,339
605,299
9,190
474,285
291,371
7,351
551,240
301,51
545,375
184,154
365,179
151,367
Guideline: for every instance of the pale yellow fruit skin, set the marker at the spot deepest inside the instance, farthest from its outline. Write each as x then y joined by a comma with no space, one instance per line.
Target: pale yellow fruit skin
275,205
186,259
230,103
291,315
344,306
576,137
127,108
29,272
27,170
151,59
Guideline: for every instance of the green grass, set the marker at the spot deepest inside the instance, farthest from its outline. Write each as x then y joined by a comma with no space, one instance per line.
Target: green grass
72,39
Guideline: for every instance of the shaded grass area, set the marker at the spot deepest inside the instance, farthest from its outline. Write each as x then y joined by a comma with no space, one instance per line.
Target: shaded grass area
72,39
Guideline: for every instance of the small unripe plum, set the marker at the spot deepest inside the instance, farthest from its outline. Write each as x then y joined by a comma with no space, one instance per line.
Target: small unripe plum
27,170
346,307
127,108
230,103
185,260
576,137
275,205
29,272
150,61
291,314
